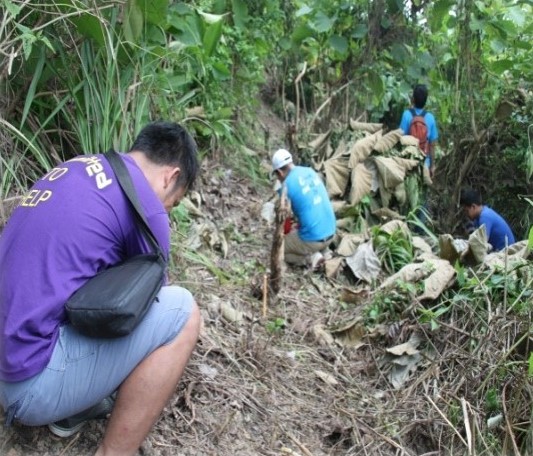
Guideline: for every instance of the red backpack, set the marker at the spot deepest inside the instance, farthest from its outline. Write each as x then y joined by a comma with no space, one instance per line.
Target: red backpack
419,130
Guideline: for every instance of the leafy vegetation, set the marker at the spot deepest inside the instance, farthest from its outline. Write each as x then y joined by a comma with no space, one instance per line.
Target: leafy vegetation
394,249
85,76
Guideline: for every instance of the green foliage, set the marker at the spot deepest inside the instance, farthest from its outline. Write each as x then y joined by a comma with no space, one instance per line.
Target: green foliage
198,258
394,250
388,305
181,218
511,287
431,316
276,326
492,400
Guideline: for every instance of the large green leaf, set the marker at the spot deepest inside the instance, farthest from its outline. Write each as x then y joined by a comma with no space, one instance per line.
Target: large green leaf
211,37
133,21
359,30
375,84
339,44
498,46
181,8
522,44
304,10
187,29
504,29
322,23
301,33
517,15
499,66
87,24
425,60
399,52
414,72
284,43
440,13
395,6
220,71
154,11
174,83
11,8
240,13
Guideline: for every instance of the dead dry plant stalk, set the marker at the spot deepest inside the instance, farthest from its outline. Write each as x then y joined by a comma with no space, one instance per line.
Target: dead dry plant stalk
276,255
297,88
508,425
265,295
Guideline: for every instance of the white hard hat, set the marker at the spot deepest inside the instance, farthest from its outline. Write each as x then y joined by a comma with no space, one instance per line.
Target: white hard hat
281,158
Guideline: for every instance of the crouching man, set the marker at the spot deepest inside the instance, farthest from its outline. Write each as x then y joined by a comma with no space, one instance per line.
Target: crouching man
75,222
312,208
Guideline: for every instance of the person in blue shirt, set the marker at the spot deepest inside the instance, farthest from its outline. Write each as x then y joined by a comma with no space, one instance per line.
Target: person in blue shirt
499,233
419,98
311,207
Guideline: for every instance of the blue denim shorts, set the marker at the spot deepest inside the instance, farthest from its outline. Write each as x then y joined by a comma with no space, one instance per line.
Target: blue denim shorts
85,370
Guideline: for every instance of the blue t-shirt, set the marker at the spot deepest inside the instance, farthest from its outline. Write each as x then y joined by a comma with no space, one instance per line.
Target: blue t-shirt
310,204
407,118
498,231
74,222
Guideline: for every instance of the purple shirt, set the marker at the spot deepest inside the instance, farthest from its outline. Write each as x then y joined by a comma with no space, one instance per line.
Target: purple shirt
74,222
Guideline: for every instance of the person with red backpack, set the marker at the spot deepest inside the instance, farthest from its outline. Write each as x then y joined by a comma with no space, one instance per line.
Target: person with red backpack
422,125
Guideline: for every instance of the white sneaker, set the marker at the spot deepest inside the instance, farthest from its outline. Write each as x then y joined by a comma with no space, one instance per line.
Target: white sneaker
317,260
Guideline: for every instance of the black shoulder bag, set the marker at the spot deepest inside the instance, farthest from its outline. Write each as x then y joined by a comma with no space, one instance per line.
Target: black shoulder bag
113,302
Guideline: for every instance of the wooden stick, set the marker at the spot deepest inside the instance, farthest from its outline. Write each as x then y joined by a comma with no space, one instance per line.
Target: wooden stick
300,445
447,421
296,82
276,256
507,422
468,431
265,294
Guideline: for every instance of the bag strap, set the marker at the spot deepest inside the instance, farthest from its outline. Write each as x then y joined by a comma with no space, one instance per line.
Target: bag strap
414,114
125,182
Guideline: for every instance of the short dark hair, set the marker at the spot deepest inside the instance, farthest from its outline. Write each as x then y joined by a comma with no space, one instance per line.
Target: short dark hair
168,143
470,196
420,96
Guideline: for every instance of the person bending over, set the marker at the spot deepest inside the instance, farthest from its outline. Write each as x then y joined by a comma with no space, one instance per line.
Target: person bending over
312,208
499,233
74,222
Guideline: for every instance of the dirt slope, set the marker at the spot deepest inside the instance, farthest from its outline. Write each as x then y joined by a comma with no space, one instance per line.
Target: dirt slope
274,385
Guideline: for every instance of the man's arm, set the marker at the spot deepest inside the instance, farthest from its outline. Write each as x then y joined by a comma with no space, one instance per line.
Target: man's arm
433,136
405,123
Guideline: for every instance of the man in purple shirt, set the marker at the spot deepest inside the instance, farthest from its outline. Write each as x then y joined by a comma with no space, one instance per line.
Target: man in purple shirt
74,222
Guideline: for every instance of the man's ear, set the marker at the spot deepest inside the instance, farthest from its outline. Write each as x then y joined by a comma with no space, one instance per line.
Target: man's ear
172,175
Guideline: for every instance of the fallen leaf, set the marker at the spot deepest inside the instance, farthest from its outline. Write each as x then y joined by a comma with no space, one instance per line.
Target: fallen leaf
326,378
